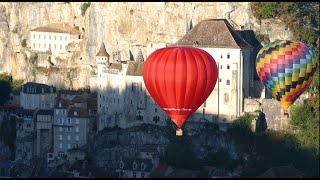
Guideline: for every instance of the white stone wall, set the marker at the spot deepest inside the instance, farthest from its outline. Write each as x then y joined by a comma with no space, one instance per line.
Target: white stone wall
43,41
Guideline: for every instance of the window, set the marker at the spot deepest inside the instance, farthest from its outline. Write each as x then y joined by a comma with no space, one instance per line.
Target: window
134,175
220,79
69,146
60,146
77,121
55,46
156,119
142,166
60,38
44,36
226,97
60,46
34,36
60,137
59,104
65,38
77,129
75,113
28,125
60,129
49,46
155,110
55,37
69,137
118,101
228,66
68,129
49,36
121,164
134,165
39,45
142,175
60,155
34,45
228,56
60,121
39,36
64,112
228,82
131,101
57,111
69,122
221,56
140,102
77,137
221,67
45,45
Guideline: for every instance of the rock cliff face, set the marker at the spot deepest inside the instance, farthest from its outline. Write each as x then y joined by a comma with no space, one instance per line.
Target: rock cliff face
124,27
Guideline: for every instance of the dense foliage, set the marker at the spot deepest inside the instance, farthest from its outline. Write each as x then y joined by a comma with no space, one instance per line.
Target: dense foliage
7,85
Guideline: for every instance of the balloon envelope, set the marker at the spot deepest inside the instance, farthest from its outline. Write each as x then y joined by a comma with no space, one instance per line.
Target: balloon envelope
180,79
286,68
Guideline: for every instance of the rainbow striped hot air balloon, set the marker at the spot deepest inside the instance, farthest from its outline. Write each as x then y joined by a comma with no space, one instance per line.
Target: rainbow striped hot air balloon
286,68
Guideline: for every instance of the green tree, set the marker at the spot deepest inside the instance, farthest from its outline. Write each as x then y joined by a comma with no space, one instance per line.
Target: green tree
5,87
180,155
269,10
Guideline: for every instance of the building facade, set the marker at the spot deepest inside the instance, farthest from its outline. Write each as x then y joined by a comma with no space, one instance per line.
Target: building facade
73,123
53,37
233,56
122,97
36,95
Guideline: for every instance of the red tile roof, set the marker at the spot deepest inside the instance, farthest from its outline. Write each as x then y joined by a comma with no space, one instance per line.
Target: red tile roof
58,28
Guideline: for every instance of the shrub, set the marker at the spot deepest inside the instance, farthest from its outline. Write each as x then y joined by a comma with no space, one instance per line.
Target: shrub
24,43
84,8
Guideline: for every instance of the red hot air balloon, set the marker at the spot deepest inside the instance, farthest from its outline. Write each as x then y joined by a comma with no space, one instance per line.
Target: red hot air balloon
180,79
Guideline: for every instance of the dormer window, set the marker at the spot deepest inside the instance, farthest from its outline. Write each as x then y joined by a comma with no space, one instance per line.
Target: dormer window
134,165
60,104
142,166
75,113
121,164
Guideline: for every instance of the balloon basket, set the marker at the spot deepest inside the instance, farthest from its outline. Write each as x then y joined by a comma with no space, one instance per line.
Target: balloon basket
179,132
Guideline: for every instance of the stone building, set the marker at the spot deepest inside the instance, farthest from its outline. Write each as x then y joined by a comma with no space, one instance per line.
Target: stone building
122,96
53,37
233,56
36,95
124,101
74,122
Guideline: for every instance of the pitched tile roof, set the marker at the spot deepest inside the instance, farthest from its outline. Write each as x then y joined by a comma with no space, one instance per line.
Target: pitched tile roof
58,28
102,51
64,104
115,66
81,112
36,88
135,68
213,33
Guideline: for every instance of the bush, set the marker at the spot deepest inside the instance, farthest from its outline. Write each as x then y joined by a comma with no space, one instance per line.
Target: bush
180,155
24,43
269,10
15,30
84,8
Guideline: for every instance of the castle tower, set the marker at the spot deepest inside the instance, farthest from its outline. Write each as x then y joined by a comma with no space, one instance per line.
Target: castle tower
102,59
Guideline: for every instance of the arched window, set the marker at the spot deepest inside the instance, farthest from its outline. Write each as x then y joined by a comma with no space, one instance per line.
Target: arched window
228,82
226,98
228,56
